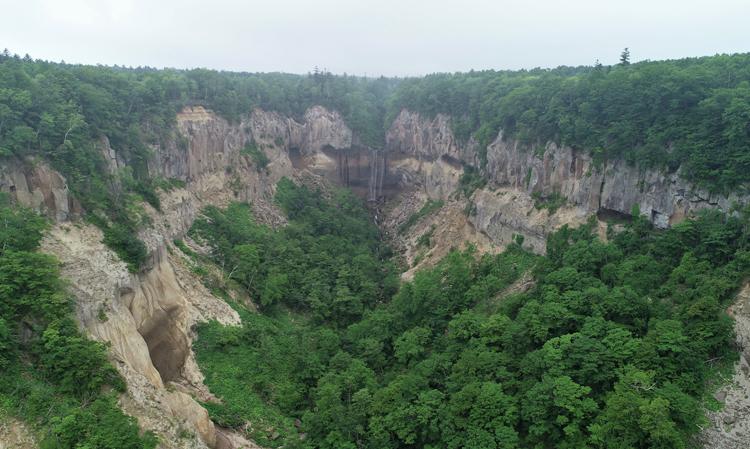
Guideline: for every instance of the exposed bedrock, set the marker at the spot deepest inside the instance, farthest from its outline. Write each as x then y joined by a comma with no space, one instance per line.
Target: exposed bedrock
608,190
37,186
149,314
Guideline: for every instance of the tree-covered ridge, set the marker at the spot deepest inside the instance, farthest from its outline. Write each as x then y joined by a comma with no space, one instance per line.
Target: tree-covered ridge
613,347
61,112
637,111
53,377
133,107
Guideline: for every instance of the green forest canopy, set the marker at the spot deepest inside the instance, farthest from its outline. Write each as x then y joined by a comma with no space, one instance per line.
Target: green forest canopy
60,113
438,362
613,347
692,112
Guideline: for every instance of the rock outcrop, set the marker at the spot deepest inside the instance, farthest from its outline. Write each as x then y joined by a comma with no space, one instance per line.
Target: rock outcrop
521,177
36,185
729,427
148,316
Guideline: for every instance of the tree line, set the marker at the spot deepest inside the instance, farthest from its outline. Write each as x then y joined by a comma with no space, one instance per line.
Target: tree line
690,112
61,112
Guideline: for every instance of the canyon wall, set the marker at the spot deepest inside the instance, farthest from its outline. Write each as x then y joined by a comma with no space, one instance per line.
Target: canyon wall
148,315
37,186
517,173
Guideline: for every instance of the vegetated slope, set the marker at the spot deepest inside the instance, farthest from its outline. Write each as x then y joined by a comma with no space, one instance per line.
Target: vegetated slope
426,367
608,350
53,376
638,111
61,113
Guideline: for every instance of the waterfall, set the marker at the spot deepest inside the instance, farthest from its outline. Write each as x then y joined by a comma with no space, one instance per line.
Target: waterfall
382,175
377,174
372,187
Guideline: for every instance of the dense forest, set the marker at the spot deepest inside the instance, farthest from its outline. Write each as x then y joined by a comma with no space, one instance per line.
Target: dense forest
692,112
612,348
616,344
60,113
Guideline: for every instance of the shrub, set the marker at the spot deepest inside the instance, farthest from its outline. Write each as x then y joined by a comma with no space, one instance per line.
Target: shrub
259,156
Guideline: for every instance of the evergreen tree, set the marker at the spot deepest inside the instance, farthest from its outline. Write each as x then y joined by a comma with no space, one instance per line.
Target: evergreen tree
625,58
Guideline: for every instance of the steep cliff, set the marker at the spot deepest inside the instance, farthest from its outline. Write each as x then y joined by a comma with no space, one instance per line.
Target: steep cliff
41,188
149,315
520,177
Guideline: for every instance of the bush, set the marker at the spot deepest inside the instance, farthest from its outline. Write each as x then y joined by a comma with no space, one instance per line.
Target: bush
128,247
259,156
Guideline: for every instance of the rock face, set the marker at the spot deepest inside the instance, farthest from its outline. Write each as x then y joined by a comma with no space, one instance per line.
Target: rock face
609,190
729,427
39,187
148,316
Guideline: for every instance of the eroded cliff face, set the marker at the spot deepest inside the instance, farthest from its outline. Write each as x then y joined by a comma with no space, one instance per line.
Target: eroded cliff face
506,206
729,427
149,314
39,187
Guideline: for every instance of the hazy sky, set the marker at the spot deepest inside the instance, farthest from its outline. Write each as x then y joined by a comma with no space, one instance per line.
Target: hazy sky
408,37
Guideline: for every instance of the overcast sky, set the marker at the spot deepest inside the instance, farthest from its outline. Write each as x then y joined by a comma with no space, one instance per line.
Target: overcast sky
377,37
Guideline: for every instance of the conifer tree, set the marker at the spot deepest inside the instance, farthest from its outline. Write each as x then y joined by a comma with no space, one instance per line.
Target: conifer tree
625,58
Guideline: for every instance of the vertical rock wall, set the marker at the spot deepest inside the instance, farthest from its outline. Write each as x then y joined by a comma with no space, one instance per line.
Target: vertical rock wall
517,172
36,185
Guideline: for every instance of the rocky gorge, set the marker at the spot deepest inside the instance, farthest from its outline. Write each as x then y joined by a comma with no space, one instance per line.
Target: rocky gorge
149,314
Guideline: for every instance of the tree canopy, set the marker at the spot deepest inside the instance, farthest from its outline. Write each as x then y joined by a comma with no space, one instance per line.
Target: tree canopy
691,112
609,349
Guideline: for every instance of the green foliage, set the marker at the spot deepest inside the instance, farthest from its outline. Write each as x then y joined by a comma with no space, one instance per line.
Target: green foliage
470,210
169,184
607,350
429,207
471,180
62,113
184,248
259,156
324,261
54,377
103,315
22,228
700,106
550,202
29,286
256,372
121,238
135,107
424,239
